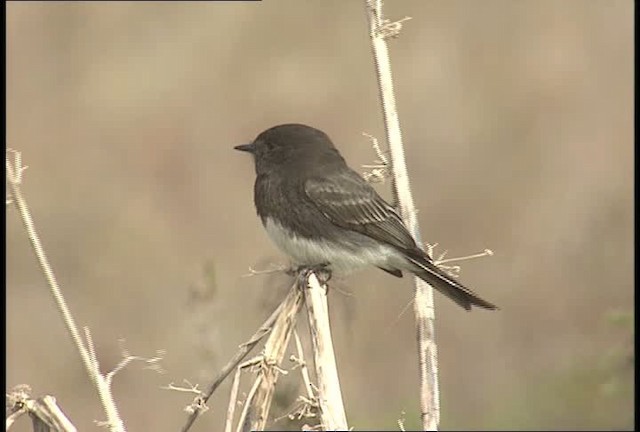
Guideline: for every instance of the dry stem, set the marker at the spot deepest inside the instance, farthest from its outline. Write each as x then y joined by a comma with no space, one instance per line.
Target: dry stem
280,325
329,395
14,179
379,30
245,349
257,408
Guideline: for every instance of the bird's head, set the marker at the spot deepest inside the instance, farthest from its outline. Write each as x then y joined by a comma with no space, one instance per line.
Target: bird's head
288,144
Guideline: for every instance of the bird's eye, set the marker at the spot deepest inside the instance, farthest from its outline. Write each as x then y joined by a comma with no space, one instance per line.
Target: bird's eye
268,145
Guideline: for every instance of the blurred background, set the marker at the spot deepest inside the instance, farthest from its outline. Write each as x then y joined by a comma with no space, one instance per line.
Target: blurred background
517,118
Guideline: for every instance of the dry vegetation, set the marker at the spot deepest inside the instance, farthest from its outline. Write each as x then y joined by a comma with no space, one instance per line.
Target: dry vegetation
517,119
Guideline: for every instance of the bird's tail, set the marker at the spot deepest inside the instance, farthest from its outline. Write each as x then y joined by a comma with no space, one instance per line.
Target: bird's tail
447,285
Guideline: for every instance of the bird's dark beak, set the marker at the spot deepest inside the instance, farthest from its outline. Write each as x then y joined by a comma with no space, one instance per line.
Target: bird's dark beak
246,147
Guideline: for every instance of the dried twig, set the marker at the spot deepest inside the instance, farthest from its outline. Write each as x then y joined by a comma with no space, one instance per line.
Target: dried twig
244,350
190,388
44,411
198,404
233,395
273,268
233,400
244,423
14,180
305,406
259,404
302,364
280,325
379,170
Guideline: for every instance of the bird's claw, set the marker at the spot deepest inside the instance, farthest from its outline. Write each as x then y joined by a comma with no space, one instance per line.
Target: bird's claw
322,272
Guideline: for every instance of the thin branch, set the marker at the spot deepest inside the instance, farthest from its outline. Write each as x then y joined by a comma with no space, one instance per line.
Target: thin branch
441,260
280,325
304,370
304,406
379,30
274,351
245,417
244,350
274,268
379,170
14,179
397,320
233,395
192,388
151,363
198,404
233,400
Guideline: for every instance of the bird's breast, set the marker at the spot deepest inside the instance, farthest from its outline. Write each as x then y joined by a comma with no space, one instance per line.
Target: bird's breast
343,255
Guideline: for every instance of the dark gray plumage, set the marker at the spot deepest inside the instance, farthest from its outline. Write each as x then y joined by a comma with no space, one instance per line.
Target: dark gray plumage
320,211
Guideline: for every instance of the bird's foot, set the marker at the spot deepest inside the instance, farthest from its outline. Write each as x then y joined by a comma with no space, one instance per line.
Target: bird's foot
322,272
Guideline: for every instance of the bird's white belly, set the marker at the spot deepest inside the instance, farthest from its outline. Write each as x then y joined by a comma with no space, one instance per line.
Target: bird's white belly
305,251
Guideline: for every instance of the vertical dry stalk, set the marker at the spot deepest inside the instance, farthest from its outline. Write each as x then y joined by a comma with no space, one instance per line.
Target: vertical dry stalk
14,171
257,408
329,395
233,400
379,30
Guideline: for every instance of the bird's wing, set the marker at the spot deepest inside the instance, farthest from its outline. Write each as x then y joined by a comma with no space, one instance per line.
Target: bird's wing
350,202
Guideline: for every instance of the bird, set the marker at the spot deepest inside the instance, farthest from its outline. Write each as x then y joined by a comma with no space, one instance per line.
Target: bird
320,212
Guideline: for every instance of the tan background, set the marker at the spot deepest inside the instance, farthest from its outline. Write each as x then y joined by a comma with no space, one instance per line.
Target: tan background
518,121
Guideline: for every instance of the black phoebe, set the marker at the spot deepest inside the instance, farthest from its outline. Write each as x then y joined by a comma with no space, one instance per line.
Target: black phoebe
322,213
